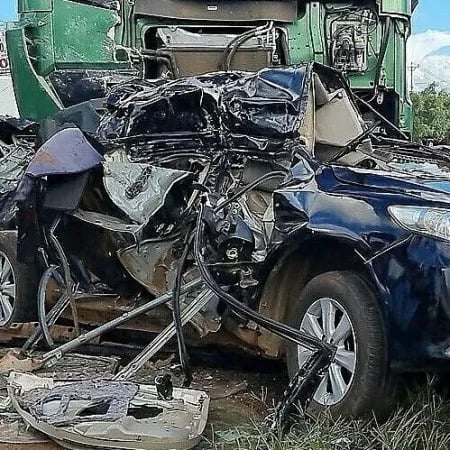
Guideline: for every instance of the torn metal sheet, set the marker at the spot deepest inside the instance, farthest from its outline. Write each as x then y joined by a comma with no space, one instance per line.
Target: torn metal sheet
149,263
74,366
108,222
257,114
75,86
139,190
67,152
68,404
147,422
13,361
11,127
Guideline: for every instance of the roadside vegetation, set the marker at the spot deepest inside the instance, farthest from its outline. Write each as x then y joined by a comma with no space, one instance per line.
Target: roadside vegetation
421,422
432,114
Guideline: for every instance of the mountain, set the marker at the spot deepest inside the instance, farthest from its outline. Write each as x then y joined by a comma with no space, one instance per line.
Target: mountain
430,51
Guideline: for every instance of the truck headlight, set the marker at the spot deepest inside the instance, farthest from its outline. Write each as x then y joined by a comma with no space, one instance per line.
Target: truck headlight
418,219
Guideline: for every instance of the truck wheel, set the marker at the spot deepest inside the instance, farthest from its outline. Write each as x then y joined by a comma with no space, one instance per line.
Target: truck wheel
17,284
341,308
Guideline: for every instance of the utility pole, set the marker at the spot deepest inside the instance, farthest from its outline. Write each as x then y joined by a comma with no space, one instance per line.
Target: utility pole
412,67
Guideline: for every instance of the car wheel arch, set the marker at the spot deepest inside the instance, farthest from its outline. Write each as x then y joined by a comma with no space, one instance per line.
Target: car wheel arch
292,268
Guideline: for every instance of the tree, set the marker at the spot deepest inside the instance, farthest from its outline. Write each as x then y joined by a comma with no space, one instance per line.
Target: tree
431,113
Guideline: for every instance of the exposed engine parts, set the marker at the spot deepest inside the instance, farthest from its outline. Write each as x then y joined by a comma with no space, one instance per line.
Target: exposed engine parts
177,51
349,46
349,39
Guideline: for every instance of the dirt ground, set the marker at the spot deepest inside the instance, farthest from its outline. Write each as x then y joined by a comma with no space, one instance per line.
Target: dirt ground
242,389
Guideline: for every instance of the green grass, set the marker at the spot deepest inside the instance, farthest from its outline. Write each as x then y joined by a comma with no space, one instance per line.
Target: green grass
421,422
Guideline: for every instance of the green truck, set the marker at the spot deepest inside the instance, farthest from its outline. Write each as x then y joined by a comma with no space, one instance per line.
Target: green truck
63,52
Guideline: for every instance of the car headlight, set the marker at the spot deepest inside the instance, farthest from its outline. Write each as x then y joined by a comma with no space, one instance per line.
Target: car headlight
418,219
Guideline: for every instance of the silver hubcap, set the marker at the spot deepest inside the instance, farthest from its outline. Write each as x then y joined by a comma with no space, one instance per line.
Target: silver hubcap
7,289
327,320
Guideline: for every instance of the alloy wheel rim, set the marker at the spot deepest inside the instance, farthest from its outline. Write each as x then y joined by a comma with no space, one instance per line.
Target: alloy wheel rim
7,289
327,320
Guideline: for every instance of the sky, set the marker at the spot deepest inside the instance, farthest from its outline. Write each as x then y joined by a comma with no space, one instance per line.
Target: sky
7,10
430,14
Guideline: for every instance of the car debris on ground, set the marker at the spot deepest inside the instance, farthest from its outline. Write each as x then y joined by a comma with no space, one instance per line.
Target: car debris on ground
231,399
110,414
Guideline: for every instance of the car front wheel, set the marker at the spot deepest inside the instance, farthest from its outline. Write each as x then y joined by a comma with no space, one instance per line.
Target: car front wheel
341,309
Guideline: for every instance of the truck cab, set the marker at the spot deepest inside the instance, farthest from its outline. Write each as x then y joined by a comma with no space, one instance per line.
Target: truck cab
63,52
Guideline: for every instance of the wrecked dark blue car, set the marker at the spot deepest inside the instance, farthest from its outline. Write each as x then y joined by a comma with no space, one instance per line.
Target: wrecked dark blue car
293,212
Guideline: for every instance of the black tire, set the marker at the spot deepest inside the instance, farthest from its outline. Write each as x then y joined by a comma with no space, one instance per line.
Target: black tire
368,380
24,303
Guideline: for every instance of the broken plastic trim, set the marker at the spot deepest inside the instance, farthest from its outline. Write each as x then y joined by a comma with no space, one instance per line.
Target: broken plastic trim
354,143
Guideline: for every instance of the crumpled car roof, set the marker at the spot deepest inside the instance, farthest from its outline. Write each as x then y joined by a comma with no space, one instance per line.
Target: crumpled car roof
239,110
